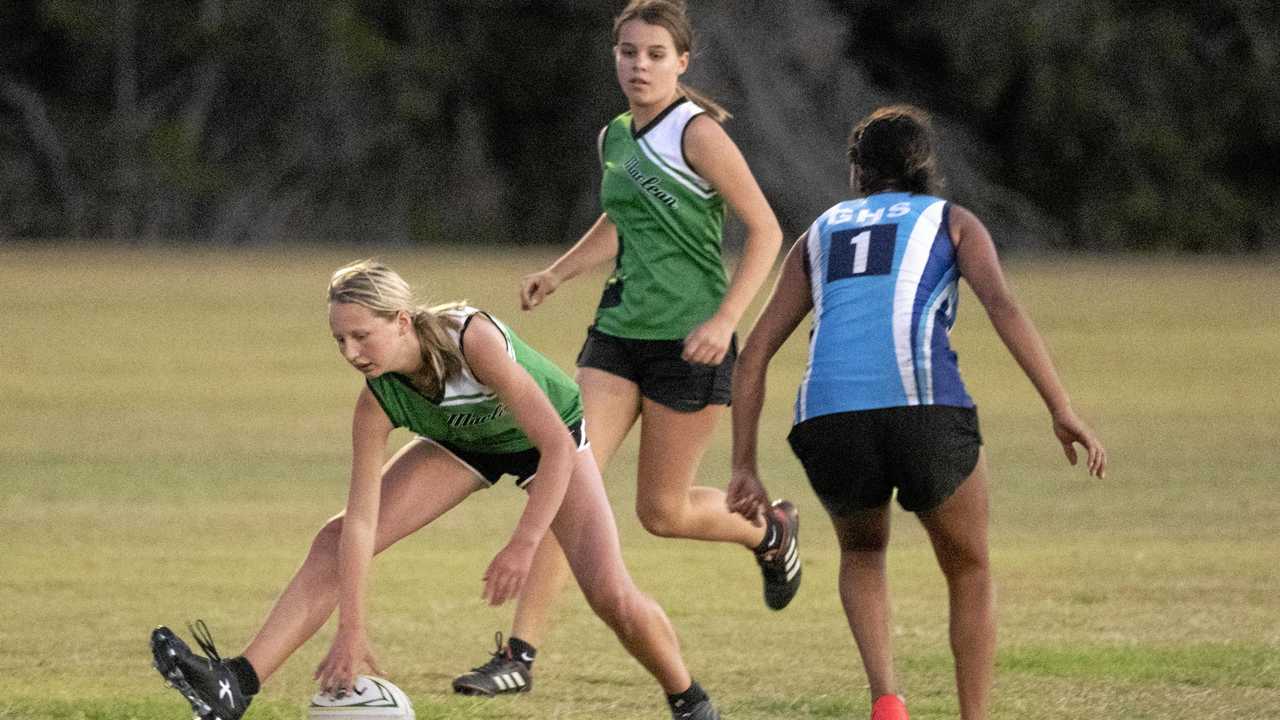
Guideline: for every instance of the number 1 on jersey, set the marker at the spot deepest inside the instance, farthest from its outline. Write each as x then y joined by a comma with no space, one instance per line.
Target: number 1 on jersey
860,242
861,251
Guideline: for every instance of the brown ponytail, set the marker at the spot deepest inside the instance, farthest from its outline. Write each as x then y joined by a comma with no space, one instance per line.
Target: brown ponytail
713,108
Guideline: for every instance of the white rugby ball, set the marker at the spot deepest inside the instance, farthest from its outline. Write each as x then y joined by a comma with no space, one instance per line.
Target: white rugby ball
370,697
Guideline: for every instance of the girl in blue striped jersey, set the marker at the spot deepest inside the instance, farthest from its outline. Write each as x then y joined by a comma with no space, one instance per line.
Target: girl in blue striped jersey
882,407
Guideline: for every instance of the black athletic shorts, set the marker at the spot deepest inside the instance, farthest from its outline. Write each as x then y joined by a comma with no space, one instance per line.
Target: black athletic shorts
855,460
657,368
522,464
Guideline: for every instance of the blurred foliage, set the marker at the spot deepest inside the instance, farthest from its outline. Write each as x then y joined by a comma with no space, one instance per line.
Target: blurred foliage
251,121
1139,125
1148,125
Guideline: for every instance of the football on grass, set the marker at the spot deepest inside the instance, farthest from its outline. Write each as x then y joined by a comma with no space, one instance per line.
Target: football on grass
370,697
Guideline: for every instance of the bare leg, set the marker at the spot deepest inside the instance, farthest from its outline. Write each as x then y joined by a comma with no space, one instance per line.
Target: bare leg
864,592
958,529
419,484
667,501
589,536
547,577
611,405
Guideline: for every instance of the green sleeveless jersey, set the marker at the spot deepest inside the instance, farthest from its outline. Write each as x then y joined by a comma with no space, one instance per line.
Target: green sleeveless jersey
669,276
469,415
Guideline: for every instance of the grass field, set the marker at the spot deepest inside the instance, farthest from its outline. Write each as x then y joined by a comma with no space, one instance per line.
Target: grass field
174,427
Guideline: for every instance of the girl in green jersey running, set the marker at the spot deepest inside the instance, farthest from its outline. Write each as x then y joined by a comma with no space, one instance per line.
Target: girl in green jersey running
484,405
662,346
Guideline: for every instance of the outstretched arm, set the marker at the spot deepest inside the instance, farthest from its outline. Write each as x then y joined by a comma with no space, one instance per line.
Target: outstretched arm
715,157
787,306
598,244
370,428
486,353
979,265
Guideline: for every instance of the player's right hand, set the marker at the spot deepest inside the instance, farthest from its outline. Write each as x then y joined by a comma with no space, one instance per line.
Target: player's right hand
535,287
506,575
746,496
348,653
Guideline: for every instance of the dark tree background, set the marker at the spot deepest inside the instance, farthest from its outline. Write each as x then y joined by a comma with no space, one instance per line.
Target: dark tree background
1097,124
1135,124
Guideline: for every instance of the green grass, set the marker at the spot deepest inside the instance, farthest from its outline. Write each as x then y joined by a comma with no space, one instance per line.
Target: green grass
173,428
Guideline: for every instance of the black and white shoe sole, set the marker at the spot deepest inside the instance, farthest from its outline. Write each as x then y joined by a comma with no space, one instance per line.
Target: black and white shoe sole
512,688
791,564
469,690
167,664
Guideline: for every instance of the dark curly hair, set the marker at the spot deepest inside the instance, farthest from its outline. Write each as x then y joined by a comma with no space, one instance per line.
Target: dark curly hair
893,149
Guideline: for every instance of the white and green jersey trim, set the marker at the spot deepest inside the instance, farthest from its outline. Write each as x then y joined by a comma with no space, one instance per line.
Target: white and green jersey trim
663,145
469,414
669,276
463,388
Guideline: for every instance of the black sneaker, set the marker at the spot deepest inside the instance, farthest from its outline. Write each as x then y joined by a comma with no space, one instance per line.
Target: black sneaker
781,565
703,710
206,682
503,673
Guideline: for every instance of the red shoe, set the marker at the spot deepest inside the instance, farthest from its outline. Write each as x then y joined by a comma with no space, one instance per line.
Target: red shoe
889,707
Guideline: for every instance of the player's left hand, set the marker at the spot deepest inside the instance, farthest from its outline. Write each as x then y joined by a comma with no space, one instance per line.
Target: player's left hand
1070,429
349,652
505,576
708,343
746,496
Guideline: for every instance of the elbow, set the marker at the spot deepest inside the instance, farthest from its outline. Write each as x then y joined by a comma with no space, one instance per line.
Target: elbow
562,447
749,361
758,349
774,234
748,373
772,240
767,237
568,446
1001,306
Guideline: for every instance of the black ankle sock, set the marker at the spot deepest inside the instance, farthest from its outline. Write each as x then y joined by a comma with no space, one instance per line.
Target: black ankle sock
522,651
692,696
772,534
245,675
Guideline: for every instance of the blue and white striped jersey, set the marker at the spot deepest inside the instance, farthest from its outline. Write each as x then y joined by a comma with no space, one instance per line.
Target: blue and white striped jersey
882,271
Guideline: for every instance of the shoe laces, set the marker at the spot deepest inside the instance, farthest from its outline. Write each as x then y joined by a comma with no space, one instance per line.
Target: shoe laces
204,639
501,656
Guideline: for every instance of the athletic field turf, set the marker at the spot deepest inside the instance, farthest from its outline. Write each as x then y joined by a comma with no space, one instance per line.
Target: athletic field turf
174,427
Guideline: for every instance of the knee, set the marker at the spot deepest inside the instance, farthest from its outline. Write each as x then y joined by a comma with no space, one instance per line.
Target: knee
959,564
663,519
325,543
854,541
616,603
